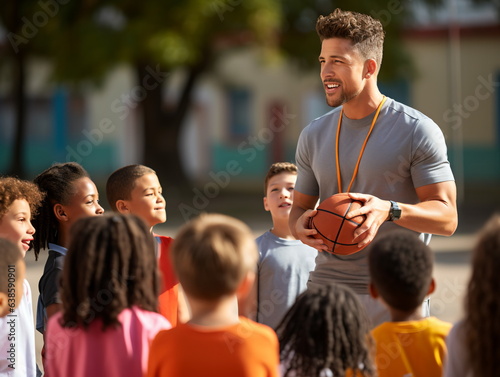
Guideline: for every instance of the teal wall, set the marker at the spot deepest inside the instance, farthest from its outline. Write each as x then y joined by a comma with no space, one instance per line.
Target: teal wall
481,164
99,162
252,161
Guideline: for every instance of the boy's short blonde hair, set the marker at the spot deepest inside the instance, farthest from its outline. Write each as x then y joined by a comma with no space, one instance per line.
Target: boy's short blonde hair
278,168
212,254
122,181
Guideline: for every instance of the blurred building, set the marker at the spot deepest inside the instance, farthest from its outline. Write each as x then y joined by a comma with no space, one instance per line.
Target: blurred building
251,115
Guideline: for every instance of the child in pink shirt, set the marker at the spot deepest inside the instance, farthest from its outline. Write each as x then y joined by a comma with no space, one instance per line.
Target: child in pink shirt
109,294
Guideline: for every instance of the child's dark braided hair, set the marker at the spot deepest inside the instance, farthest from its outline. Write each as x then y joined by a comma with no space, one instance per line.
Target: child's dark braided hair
326,328
110,266
56,183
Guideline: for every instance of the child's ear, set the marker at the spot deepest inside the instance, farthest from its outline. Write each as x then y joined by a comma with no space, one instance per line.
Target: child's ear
4,304
373,290
246,295
266,206
246,286
59,212
432,287
122,207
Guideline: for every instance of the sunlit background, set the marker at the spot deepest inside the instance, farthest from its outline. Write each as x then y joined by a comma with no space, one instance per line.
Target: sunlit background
209,93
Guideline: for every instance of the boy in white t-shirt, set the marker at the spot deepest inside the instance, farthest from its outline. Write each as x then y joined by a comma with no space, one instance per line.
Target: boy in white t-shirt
284,262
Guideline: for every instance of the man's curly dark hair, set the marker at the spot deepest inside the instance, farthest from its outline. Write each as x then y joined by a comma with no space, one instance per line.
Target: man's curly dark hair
365,32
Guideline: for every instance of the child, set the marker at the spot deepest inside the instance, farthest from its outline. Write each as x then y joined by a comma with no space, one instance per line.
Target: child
136,189
401,276
109,294
18,200
333,338
70,195
473,343
12,272
284,262
214,257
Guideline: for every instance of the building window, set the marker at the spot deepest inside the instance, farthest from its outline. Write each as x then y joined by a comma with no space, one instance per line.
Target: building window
240,118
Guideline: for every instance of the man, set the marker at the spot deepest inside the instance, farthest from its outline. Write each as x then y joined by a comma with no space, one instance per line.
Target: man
385,154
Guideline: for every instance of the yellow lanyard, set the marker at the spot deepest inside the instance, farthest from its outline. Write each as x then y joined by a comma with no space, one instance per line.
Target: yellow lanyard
356,168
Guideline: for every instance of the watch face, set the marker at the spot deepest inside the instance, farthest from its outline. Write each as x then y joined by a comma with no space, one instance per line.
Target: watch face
395,212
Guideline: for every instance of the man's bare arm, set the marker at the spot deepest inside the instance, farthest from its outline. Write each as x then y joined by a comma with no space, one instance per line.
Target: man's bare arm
436,213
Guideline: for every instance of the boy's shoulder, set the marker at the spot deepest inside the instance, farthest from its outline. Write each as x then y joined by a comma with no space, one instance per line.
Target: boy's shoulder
245,330
264,236
431,325
163,241
258,329
269,242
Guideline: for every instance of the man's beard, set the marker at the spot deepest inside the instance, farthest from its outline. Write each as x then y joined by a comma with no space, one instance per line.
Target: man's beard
344,98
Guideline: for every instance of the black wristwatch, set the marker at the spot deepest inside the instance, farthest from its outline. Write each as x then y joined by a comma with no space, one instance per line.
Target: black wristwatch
394,212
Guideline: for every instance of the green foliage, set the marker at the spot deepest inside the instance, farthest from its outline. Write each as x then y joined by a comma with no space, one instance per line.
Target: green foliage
87,38
300,41
494,3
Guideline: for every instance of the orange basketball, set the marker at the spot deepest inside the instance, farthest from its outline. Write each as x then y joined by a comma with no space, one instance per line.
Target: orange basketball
333,228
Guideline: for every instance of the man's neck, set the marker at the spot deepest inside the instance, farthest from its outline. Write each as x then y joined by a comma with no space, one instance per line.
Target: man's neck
363,105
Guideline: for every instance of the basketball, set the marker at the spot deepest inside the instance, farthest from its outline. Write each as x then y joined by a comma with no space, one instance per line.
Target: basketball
333,228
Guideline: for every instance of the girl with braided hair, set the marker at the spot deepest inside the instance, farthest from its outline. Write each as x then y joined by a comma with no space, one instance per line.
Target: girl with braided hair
474,342
109,292
326,334
70,195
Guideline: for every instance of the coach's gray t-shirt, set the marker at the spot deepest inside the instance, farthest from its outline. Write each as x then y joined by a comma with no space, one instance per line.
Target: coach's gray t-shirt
406,150
283,272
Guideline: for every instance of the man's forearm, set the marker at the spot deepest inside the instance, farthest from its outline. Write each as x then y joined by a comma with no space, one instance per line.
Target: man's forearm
433,216
295,214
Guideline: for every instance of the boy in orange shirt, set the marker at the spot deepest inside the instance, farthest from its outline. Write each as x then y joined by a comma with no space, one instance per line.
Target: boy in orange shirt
214,257
136,189
401,276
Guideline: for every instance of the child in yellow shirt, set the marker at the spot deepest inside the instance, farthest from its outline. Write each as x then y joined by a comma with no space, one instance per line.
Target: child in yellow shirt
401,276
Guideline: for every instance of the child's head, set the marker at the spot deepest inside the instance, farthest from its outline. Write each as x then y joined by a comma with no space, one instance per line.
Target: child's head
70,195
110,266
213,255
12,271
19,200
136,189
333,334
278,188
482,303
401,270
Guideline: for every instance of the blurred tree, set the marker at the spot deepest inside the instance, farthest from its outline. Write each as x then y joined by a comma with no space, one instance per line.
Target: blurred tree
15,55
299,38
87,38
495,4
